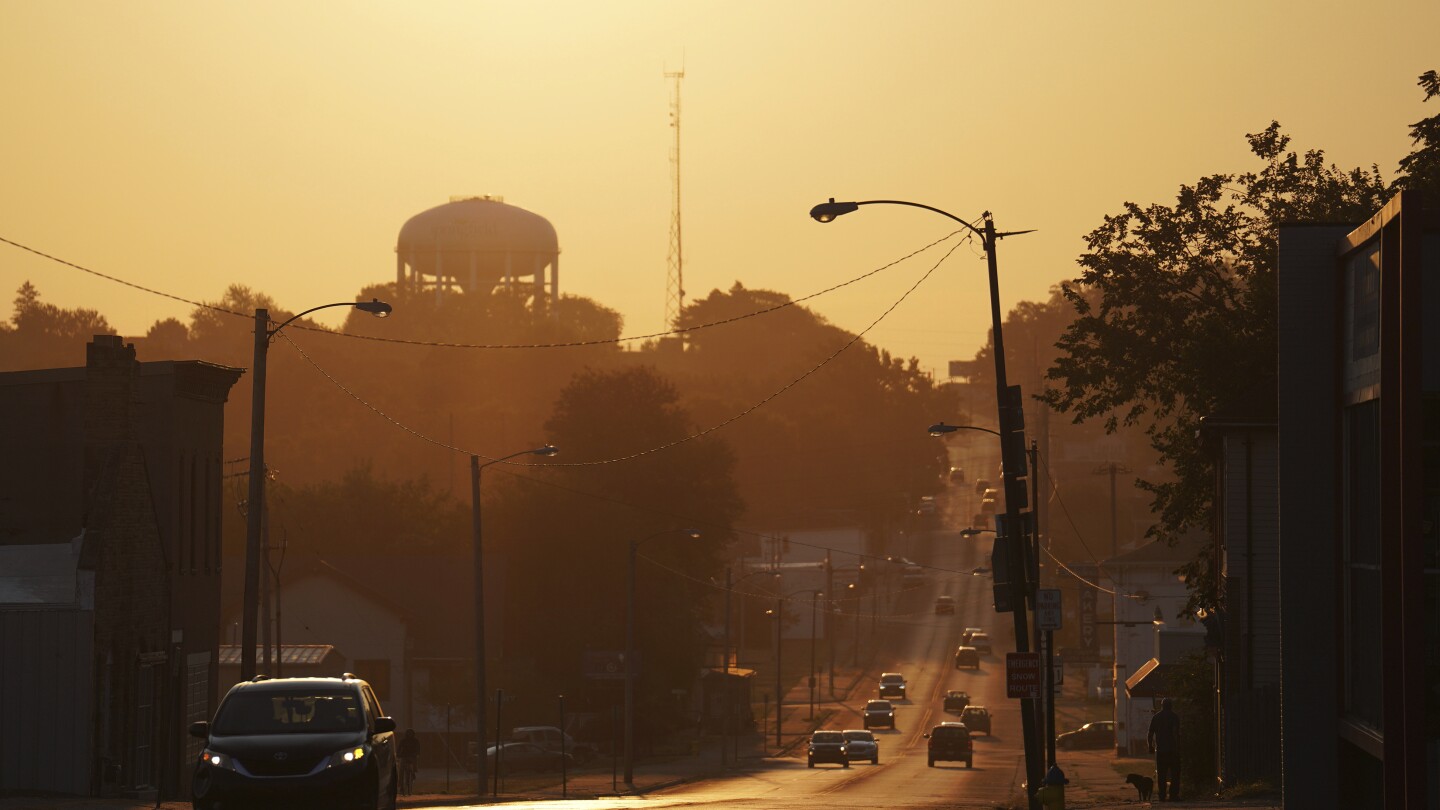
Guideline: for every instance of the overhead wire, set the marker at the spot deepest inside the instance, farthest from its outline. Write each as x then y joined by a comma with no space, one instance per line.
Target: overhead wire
449,345
641,453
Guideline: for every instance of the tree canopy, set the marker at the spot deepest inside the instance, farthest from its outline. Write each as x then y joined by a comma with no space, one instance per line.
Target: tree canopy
1176,307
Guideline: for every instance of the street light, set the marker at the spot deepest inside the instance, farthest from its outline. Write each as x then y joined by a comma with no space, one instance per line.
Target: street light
1011,449
940,429
729,714
630,650
476,525
255,505
779,639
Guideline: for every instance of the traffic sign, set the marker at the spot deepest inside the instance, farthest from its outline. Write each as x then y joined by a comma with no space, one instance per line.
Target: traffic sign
1047,609
1022,675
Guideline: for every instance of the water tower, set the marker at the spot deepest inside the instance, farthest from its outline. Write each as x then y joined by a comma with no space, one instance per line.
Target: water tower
474,245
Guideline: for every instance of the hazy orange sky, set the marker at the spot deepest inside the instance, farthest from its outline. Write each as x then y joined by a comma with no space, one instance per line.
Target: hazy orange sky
186,146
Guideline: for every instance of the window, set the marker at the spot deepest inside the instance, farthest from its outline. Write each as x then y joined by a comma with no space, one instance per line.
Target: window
1361,565
377,672
275,712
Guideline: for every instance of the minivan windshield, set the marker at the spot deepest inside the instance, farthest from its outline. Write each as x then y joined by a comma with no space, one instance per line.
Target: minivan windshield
309,711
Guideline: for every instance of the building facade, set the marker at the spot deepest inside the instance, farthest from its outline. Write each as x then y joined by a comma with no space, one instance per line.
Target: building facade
1359,432
120,461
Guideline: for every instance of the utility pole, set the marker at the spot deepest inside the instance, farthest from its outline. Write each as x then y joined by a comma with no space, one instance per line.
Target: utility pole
1113,469
830,618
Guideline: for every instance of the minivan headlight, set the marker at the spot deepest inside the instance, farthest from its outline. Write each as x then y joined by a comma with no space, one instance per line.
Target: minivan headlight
348,755
215,759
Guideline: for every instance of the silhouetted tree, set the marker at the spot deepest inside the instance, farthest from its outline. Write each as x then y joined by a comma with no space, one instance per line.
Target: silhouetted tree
1420,170
1176,313
565,530
41,335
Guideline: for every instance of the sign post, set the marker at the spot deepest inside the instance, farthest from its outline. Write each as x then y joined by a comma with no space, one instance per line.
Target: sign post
1048,618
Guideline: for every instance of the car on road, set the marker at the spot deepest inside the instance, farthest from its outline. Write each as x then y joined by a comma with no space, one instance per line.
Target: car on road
861,744
981,642
879,713
1099,734
950,742
892,684
977,719
553,739
956,701
519,757
967,657
828,746
981,484
945,605
296,740
957,474
969,633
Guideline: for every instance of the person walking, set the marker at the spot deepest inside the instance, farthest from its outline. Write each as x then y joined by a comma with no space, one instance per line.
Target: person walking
1164,739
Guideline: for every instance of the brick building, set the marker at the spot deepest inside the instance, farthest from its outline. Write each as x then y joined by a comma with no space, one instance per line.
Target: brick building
109,594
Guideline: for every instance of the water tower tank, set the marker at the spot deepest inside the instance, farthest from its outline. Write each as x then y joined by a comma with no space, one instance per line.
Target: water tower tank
475,244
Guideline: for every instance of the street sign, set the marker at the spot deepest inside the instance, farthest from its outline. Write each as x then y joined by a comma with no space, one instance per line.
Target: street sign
1022,675
1047,609
603,665
1057,667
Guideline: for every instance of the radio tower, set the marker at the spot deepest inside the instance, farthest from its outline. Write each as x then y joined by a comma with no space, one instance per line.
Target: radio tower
675,270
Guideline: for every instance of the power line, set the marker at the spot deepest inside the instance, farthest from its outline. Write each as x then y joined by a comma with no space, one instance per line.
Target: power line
692,437
447,345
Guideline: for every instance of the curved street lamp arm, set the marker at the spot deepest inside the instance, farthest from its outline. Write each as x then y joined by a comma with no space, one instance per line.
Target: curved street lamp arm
546,450
940,429
972,228
374,307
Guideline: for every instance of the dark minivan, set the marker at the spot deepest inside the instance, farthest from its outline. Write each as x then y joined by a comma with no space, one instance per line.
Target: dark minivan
304,741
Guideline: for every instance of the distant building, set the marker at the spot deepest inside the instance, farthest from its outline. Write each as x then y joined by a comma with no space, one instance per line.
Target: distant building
404,622
1147,634
1359,433
109,570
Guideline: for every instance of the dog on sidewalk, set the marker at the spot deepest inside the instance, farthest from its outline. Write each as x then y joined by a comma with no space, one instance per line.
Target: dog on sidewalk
1144,784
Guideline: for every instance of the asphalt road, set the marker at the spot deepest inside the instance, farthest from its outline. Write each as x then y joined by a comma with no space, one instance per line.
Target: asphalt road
921,645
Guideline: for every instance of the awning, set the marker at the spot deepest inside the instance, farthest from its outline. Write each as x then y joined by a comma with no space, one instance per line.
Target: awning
290,654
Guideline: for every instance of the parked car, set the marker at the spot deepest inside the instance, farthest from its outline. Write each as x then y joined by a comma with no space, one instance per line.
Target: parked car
967,657
879,713
518,757
977,719
1099,734
892,684
956,701
981,642
828,746
861,745
945,605
296,740
553,739
950,742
